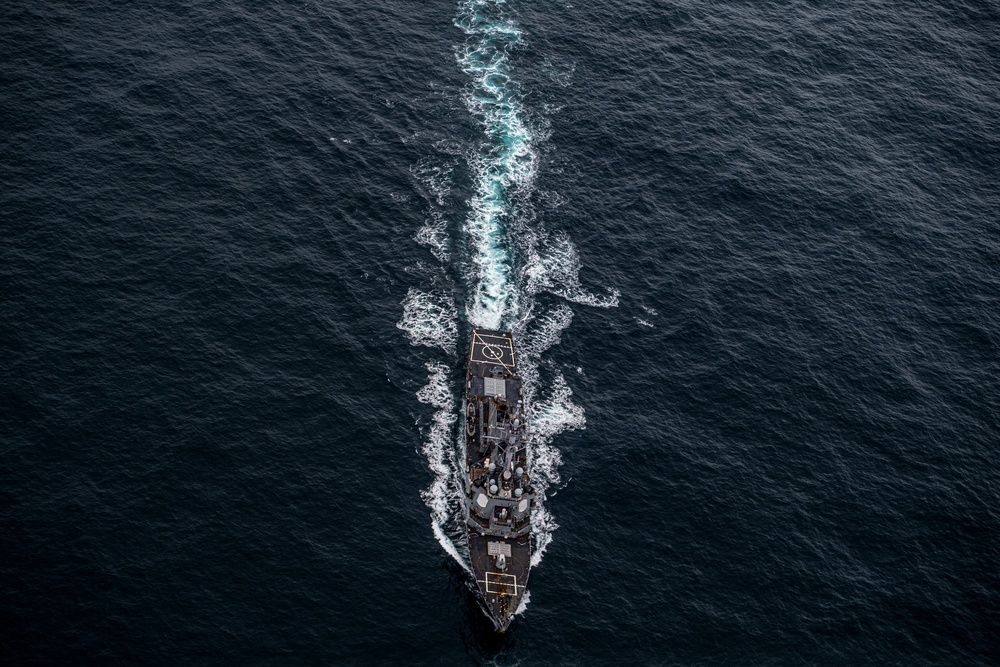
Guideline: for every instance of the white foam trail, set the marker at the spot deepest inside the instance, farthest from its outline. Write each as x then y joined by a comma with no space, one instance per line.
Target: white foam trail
444,495
429,319
506,162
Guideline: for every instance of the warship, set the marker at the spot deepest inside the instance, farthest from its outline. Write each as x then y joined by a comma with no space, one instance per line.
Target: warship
498,492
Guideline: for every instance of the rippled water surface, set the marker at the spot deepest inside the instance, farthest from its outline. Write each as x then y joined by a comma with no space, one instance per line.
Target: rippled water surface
750,252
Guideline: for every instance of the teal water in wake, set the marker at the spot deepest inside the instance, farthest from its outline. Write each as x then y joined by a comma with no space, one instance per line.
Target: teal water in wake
505,166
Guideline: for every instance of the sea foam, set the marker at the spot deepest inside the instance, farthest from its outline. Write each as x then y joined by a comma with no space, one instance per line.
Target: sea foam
429,318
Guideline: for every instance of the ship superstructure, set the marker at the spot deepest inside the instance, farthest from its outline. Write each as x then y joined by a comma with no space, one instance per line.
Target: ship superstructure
499,497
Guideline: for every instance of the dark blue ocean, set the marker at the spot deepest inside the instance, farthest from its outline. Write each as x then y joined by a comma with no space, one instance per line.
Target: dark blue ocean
750,253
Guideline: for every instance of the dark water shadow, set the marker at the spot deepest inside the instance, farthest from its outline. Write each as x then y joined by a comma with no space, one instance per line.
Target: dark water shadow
483,642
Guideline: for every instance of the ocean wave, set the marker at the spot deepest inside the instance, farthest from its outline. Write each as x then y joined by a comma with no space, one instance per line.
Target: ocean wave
436,182
554,266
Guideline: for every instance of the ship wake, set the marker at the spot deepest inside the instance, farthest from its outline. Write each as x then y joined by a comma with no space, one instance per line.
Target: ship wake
508,261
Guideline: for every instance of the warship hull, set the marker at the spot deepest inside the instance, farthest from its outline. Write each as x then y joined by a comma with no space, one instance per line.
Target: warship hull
499,497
